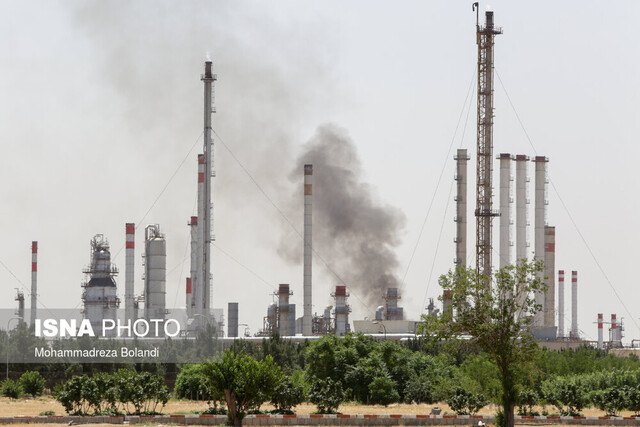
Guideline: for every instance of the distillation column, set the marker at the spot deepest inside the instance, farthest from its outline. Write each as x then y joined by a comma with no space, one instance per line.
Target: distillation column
484,211
460,240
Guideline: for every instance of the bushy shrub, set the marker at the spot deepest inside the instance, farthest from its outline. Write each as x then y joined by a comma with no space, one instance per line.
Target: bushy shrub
464,402
418,391
108,393
11,389
326,394
568,394
383,391
32,383
527,399
191,383
612,400
287,395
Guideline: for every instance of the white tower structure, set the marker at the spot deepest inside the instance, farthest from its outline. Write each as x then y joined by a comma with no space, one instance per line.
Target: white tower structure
460,219
307,320
129,297
540,222
100,294
505,209
34,281
155,274
522,200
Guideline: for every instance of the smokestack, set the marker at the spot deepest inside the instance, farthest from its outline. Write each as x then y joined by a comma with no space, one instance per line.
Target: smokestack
192,280
308,210
561,303
540,221
34,281
283,310
600,332
614,330
549,269
505,209
129,298
574,305
20,299
341,311
155,254
522,218
461,208
198,295
205,212
232,328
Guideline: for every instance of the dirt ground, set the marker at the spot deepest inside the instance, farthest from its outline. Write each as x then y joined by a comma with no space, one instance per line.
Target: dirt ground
33,407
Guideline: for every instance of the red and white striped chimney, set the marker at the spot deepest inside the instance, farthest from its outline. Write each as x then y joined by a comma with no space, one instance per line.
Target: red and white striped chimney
307,328
129,309
198,295
600,332
34,281
191,281
574,305
614,329
561,303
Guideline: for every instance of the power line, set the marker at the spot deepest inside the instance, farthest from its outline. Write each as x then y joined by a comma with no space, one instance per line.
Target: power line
444,165
575,225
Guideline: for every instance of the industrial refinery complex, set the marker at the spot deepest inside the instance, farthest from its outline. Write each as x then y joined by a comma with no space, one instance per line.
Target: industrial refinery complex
519,177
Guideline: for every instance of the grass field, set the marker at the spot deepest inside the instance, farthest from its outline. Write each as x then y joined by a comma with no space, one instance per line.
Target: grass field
33,407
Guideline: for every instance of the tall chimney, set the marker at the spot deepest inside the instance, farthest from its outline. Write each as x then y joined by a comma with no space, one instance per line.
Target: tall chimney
308,210
34,281
561,303
205,213
192,280
522,218
505,209
574,305
198,294
540,221
613,336
461,208
600,332
283,310
129,298
549,270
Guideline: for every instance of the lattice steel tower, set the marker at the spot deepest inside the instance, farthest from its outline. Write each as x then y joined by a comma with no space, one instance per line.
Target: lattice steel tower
484,212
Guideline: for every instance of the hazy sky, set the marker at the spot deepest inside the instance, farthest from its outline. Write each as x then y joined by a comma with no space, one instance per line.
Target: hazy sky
102,101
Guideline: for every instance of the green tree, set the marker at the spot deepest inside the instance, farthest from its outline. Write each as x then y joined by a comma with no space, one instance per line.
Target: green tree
11,389
497,315
326,394
382,390
32,383
245,383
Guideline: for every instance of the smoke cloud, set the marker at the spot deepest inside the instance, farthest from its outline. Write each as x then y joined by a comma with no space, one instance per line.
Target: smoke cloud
353,231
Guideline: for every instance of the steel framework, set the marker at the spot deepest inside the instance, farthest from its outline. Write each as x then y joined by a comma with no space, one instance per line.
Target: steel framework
484,212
